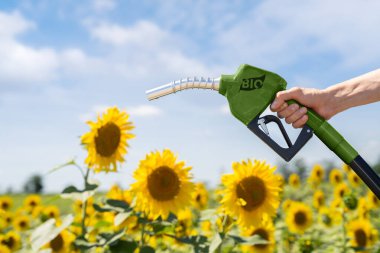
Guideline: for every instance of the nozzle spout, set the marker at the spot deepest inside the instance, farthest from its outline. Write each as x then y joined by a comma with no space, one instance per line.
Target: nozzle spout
183,84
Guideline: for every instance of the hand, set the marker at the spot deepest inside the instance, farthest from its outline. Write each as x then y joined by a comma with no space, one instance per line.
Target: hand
296,115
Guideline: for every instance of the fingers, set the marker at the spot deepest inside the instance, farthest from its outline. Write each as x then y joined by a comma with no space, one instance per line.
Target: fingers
288,111
296,115
301,122
282,96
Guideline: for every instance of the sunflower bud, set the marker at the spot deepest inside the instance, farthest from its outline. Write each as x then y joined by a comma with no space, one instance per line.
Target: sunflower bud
350,201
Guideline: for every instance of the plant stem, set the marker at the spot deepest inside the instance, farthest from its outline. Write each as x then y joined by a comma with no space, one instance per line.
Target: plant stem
84,208
142,241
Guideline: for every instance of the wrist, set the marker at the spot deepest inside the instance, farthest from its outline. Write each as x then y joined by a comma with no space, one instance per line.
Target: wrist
330,105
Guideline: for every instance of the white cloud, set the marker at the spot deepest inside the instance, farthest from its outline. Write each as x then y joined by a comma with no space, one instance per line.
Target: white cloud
104,5
144,111
12,24
282,32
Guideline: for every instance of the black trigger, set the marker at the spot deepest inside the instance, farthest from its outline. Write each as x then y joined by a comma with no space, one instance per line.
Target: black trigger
286,153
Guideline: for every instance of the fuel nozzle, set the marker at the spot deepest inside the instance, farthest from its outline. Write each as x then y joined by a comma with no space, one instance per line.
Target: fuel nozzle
183,84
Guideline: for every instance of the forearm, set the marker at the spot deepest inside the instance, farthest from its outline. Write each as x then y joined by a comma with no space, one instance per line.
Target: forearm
360,90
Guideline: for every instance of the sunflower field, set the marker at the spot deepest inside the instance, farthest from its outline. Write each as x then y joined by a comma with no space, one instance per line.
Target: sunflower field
253,209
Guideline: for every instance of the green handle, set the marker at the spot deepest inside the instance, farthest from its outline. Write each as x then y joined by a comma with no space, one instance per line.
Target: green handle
329,136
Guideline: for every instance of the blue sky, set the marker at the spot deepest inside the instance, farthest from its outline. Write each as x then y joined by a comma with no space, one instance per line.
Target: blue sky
65,61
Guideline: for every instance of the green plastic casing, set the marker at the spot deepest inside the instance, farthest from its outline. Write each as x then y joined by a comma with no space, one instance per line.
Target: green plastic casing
250,91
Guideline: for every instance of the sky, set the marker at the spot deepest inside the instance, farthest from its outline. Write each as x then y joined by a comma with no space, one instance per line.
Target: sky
64,62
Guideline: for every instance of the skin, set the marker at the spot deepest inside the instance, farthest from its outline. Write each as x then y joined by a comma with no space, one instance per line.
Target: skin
328,102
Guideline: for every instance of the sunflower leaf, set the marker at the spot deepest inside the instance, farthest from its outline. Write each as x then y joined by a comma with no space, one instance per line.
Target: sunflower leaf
123,246
147,249
119,204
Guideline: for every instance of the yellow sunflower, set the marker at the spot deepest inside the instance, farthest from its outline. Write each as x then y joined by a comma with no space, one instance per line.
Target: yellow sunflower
317,175
299,217
340,190
21,223
360,232
286,204
200,196
163,185
266,231
12,240
32,201
294,180
281,180
364,208
354,179
7,217
251,192
61,243
51,212
106,143
329,216
318,199
374,202
4,249
184,226
6,203
115,193
336,176
346,168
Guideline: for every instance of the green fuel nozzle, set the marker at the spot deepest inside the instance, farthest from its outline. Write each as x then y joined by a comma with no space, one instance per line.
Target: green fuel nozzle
249,92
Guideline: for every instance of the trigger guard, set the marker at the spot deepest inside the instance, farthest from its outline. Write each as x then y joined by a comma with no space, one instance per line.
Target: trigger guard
286,153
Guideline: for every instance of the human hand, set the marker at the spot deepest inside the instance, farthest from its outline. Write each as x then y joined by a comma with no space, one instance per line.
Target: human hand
296,115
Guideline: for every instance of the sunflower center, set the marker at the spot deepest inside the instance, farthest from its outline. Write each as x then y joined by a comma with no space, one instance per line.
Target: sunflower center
253,191
320,201
341,192
326,219
163,184
108,139
337,178
5,205
361,238
264,235
10,242
318,173
300,218
57,243
33,203
22,224
198,198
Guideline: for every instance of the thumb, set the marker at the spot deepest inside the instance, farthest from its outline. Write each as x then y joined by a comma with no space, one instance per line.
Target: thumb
282,96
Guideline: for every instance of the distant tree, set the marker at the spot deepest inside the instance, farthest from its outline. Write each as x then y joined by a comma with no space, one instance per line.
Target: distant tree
376,166
301,168
34,184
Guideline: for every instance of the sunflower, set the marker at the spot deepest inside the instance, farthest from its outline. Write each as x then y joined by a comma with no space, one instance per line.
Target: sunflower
266,231
163,185
354,179
364,208
374,202
286,204
329,216
51,212
281,180
317,175
200,196
7,217
115,193
61,243
346,168
360,232
318,199
184,225
294,180
12,240
4,249
32,201
6,203
251,192
21,223
106,143
336,176
299,217
341,190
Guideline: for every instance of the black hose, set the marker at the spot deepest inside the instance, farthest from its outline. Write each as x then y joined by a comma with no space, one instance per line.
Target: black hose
366,173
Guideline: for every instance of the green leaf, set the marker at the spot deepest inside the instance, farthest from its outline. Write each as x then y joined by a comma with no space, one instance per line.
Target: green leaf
121,217
110,238
147,249
237,239
215,243
118,203
83,244
123,246
208,215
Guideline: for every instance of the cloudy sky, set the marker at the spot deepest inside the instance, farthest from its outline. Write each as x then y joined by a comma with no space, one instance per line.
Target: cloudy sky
62,62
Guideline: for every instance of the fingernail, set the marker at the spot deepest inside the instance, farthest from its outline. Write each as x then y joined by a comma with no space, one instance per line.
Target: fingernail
274,105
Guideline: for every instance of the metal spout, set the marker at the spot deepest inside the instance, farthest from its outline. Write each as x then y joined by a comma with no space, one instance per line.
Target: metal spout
183,84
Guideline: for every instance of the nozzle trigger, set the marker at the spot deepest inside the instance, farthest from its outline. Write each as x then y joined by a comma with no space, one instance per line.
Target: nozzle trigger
286,153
